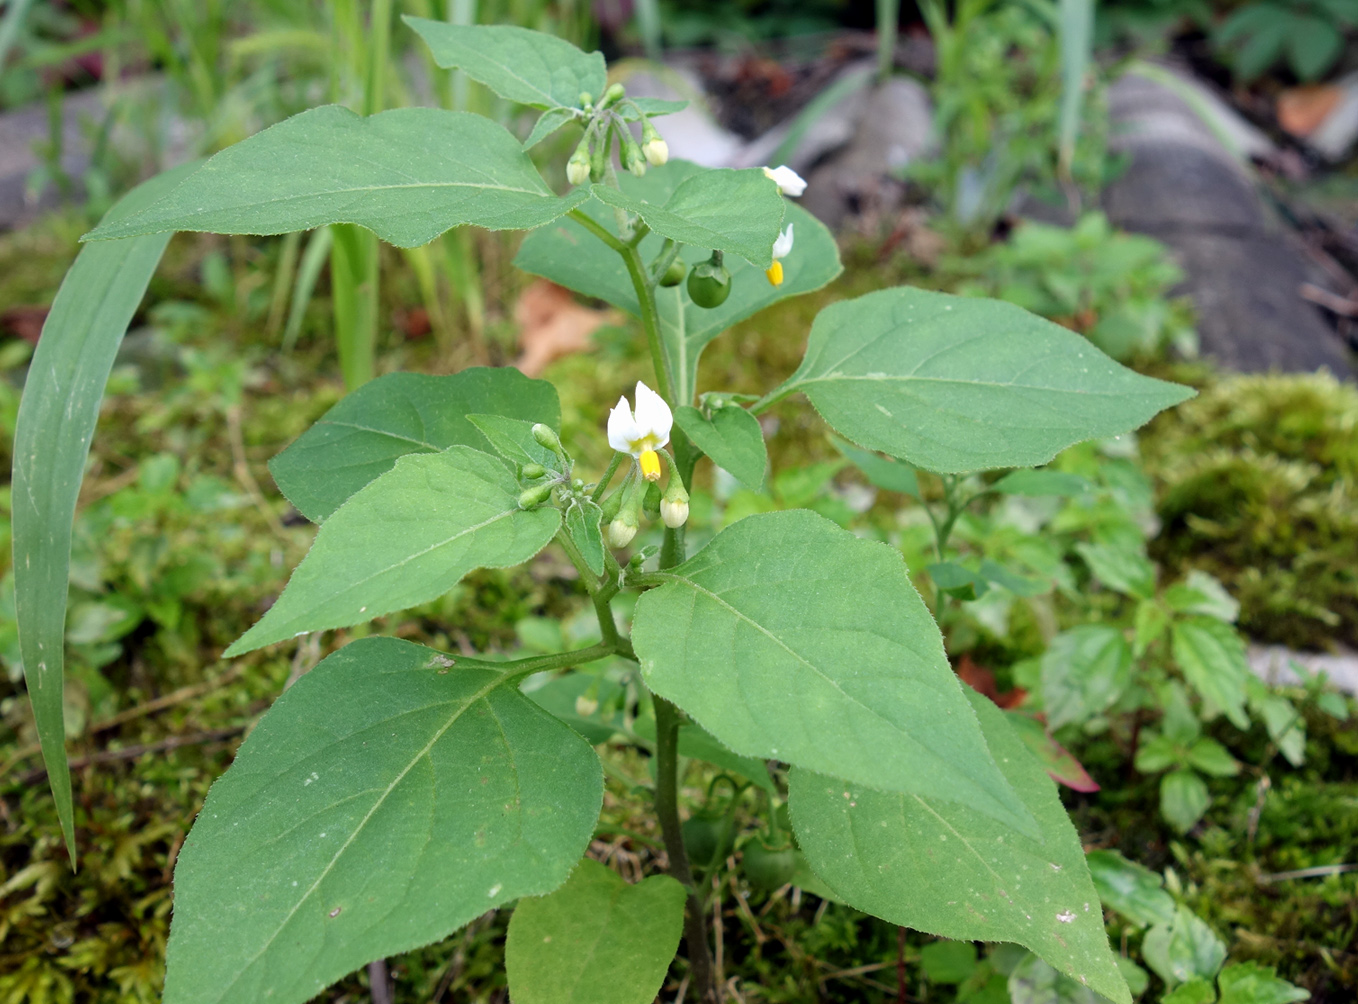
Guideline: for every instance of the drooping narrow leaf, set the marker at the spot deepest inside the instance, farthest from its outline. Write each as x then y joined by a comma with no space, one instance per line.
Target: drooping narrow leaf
955,384
530,67
407,174
406,538
567,254
596,940
788,637
361,438
720,209
56,420
388,797
732,438
940,867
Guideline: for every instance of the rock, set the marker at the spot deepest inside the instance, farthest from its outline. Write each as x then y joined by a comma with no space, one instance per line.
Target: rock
1272,664
862,180
825,134
1324,117
22,131
691,134
1188,184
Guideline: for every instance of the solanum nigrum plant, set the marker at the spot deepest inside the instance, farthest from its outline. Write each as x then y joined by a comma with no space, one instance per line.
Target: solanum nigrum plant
395,792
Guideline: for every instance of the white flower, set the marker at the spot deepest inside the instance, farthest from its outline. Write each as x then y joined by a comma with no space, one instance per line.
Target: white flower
789,182
641,433
781,247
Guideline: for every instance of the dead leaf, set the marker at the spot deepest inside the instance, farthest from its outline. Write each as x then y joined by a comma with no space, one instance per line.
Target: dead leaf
24,322
1301,110
982,680
552,324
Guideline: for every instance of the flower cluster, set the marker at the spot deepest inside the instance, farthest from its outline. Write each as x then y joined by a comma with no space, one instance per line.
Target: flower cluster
642,434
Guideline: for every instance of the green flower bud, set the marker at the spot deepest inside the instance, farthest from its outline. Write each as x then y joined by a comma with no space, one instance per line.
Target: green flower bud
577,168
631,155
533,471
621,531
546,437
586,100
532,497
613,95
650,503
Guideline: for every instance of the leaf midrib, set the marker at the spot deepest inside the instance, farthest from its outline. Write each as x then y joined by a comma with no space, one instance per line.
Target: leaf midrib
479,695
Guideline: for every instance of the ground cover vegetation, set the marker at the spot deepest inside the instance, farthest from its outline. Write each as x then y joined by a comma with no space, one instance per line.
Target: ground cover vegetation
1091,600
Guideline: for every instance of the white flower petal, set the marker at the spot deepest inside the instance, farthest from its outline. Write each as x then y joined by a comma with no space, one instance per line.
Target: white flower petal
622,427
653,415
783,244
789,181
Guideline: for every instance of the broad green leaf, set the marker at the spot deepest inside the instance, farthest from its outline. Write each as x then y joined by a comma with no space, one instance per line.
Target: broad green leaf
1149,626
1129,572
406,538
1183,949
1019,585
568,254
1043,482
732,438
943,868
548,122
407,175
1212,658
1084,671
530,67
1035,982
718,209
1251,983
586,701
787,637
694,741
1183,798
513,439
1285,724
387,798
1195,991
52,434
948,961
1210,757
1130,889
956,384
596,940
1157,753
1137,978
1201,593
887,474
957,580
362,437
582,523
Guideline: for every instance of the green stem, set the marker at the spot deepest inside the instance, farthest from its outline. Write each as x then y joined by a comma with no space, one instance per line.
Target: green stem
770,399
650,322
597,229
558,660
602,486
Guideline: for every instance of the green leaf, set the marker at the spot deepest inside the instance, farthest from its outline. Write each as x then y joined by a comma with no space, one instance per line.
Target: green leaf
1056,760
582,523
530,67
513,439
548,122
1035,982
1157,753
945,869
586,701
1313,46
1183,798
1201,593
651,107
1195,991
732,438
955,384
948,961
1150,623
1137,978
787,637
408,175
568,254
1286,725
52,434
1210,757
1043,482
596,940
1251,983
362,437
887,474
719,209
387,798
1020,585
1130,889
406,538
1183,949
1212,658
1084,671
1129,572
957,580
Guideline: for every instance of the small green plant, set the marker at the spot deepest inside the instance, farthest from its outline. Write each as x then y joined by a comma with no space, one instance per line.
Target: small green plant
396,792
1108,285
1308,34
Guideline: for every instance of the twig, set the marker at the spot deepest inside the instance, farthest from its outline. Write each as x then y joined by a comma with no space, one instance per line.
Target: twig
379,982
1330,301
133,752
240,466
900,965
1319,871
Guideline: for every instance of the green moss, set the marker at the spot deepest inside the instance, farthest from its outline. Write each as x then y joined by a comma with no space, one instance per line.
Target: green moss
1258,481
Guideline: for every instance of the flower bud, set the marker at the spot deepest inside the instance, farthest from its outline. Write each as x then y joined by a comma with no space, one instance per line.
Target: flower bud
631,156
650,503
546,437
598,159
586,706
577,168
655,148
612,96
533,471
586,100
674,506
620,531
532,497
